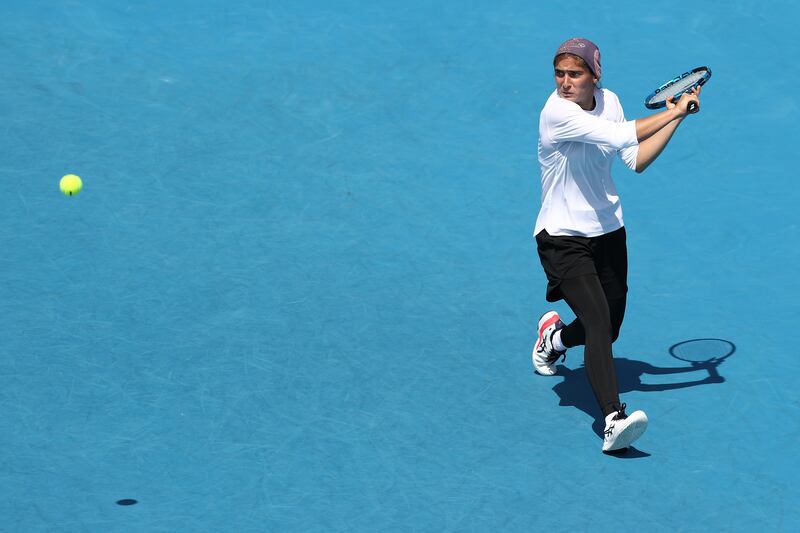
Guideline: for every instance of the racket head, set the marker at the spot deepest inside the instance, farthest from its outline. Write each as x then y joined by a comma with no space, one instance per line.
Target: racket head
677,86
702,350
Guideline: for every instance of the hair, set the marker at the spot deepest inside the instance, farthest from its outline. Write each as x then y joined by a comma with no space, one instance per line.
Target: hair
581,62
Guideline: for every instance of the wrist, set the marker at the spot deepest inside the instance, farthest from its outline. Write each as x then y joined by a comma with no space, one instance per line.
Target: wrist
677,113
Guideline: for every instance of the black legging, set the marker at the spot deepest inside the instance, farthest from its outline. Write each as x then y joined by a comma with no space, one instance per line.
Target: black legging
596,327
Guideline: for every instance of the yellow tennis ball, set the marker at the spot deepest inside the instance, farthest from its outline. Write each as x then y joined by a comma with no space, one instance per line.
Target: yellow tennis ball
71,184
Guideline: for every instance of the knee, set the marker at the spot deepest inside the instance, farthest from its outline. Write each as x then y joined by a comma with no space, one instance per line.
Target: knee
601,331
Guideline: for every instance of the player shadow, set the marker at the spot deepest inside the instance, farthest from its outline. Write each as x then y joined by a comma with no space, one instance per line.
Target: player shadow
574,389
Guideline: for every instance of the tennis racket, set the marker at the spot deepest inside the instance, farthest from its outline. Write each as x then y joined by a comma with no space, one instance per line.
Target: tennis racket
676,87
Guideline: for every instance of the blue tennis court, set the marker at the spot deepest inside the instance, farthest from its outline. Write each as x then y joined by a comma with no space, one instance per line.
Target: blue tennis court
299,289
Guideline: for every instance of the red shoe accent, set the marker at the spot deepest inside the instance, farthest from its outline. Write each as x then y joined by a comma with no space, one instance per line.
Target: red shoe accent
550,322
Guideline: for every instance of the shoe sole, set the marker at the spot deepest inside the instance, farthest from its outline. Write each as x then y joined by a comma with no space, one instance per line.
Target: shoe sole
629,435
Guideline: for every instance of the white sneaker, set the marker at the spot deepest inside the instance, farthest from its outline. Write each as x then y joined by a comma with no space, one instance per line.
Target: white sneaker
622,430
544,355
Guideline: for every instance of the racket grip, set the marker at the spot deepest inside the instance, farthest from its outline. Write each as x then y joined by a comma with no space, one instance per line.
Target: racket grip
693,107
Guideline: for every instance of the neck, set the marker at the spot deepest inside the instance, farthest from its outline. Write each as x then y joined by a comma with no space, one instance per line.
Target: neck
589,104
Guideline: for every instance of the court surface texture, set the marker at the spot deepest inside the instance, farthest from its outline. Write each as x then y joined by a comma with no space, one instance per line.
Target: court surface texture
299,289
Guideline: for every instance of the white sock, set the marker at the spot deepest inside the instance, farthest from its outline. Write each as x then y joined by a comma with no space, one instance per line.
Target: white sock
556,340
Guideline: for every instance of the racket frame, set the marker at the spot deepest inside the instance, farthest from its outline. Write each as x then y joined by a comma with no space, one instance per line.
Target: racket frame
673,81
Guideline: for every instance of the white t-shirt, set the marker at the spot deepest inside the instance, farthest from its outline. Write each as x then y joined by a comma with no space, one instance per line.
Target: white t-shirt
576,149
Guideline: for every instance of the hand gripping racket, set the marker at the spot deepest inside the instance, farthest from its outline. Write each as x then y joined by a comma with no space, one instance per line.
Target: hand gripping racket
676,87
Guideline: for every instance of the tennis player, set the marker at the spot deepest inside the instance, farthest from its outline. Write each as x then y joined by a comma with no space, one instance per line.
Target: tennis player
579,232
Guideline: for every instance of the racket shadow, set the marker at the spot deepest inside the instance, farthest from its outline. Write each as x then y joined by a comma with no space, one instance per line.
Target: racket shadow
574,389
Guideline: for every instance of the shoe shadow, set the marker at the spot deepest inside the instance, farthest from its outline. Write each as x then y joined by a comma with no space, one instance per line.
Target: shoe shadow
574,389
628,453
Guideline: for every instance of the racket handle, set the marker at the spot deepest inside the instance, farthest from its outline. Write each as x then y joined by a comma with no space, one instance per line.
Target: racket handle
693,107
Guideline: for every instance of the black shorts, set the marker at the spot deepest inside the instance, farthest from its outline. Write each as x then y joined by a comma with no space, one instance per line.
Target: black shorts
571,257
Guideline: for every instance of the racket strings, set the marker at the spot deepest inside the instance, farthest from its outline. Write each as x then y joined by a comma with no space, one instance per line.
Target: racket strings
680,86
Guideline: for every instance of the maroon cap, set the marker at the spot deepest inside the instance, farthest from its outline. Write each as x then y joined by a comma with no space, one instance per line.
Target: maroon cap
585,49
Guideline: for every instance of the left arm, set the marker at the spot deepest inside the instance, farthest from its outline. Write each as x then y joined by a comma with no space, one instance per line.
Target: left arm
651,148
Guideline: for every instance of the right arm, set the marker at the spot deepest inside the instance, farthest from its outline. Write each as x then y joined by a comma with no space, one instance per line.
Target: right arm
649,126
565,121
651,147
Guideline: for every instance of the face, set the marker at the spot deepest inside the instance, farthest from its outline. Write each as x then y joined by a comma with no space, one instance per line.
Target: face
575,82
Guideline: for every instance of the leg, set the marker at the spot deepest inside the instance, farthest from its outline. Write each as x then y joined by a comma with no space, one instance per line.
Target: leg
587,300
610,258
617,308
575,335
